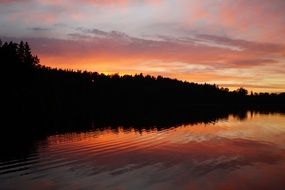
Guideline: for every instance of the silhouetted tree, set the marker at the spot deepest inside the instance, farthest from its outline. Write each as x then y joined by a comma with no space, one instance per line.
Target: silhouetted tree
241,91
33,91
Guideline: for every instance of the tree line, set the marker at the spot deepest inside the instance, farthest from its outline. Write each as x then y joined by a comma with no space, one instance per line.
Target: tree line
36,92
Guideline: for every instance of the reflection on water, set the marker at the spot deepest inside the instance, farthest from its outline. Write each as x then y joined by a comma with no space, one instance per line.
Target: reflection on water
247,152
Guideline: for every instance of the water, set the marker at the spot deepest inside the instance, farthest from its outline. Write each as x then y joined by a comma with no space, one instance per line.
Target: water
231,153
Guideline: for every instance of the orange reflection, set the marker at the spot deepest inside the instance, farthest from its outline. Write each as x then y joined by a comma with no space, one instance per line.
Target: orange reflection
228,154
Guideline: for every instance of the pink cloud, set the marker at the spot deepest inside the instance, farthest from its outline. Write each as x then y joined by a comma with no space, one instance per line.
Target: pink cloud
214,40
261,20
114,45
180,58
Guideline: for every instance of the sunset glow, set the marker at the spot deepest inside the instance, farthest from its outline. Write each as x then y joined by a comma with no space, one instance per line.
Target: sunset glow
233,43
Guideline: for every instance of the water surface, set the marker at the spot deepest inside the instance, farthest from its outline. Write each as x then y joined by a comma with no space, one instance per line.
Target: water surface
232,153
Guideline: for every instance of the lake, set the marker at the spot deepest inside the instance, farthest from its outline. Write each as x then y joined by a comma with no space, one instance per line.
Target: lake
230,153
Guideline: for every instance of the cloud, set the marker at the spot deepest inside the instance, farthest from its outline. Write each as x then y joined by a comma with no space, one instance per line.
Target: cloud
97,32
244,44
121,2
13,1
235,38
39,29
118,45
214,51
252,62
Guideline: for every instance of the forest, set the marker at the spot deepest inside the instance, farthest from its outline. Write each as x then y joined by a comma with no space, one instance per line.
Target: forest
34,92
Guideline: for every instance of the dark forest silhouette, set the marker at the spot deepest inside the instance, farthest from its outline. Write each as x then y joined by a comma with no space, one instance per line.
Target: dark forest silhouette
33,92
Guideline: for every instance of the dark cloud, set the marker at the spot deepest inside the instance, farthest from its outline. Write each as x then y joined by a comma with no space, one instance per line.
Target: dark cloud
39,29
13,1
253,62
243,44
79,36
96,31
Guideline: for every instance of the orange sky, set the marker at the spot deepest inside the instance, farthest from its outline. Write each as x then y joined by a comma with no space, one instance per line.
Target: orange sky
234,43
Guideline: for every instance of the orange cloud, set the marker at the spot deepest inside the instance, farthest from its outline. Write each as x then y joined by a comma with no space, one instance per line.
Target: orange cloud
231,43
205,58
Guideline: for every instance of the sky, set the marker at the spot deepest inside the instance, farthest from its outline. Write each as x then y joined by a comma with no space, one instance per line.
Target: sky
232,43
